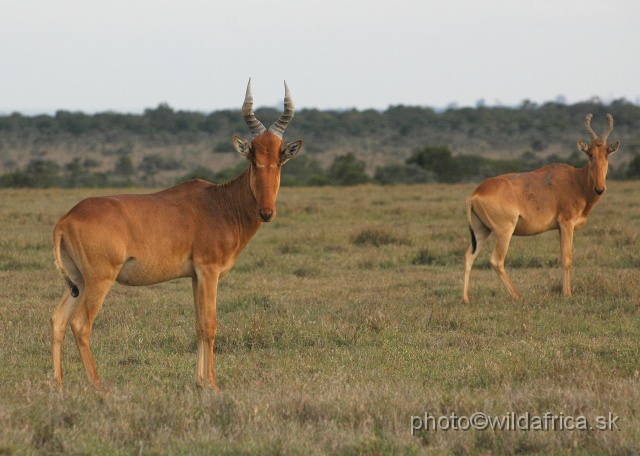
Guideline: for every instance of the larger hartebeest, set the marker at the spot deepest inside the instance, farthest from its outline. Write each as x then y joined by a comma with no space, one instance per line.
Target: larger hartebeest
556,197
196,229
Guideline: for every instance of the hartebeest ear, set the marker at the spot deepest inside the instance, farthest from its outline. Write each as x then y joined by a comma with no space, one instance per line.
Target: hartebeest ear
242,146
583,146
290,150
613,147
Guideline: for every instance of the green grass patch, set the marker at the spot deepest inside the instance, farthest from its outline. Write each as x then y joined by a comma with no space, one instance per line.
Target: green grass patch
341,320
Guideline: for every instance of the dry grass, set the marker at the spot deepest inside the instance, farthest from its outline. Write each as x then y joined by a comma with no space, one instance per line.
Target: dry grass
341,320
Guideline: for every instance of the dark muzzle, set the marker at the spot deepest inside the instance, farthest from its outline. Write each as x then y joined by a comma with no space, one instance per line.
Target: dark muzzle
266,215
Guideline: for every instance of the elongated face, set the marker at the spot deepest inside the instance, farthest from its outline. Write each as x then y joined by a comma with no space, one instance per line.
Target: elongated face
598,165
598,153
266,157
265,153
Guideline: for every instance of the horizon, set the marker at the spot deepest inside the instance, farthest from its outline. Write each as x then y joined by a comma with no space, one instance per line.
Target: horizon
560,100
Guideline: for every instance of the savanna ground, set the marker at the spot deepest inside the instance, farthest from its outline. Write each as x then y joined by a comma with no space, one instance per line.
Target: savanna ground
341,321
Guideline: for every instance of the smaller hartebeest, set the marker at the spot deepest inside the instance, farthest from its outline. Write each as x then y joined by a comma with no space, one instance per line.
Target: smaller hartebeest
556,197
196,229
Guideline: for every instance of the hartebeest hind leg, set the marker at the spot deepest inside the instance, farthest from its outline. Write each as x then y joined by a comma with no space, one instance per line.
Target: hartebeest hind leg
503,238
59,321
205,286
479,235
80,311
82,322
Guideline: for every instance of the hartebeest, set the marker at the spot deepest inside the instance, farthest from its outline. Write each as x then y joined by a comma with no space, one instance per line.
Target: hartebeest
556,197
196,229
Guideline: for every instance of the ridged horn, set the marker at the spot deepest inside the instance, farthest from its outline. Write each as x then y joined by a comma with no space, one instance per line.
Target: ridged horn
278,126
587,124
605,135
249,117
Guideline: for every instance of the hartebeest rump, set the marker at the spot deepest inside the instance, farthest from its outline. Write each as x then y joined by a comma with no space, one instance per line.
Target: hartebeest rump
196,229
556,197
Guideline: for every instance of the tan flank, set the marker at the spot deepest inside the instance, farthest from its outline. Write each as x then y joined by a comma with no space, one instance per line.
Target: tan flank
556,197
196,229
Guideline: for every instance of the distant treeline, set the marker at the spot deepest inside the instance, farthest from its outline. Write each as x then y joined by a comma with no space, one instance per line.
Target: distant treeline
418,144
162,119
550,118
431,164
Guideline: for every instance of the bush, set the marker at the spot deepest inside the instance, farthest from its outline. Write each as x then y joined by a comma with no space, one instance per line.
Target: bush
46,173
199,173
475,167
38,173
633,171
223,147
124,166
347,170
303,170
154,163
376,237
438,160
12,179
87,179
398,173
228,174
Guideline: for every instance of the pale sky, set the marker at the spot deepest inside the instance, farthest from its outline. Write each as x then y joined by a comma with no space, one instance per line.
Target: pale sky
128,55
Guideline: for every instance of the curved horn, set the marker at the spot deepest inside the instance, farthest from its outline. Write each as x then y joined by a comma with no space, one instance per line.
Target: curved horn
605,135
587,124
278,126
249,117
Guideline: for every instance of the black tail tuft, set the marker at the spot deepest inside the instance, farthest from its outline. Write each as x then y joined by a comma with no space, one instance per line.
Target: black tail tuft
474,243
74,288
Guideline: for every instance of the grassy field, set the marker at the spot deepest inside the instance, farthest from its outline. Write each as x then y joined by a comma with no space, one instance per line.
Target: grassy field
341,322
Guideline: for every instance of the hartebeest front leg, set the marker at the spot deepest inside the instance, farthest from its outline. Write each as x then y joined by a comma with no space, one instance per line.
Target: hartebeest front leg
566,252
205,286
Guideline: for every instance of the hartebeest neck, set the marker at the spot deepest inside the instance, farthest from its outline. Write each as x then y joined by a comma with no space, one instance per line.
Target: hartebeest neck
243,206
586,186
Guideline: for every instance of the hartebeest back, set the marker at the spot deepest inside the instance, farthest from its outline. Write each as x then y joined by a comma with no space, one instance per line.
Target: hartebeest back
196,229
556,197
